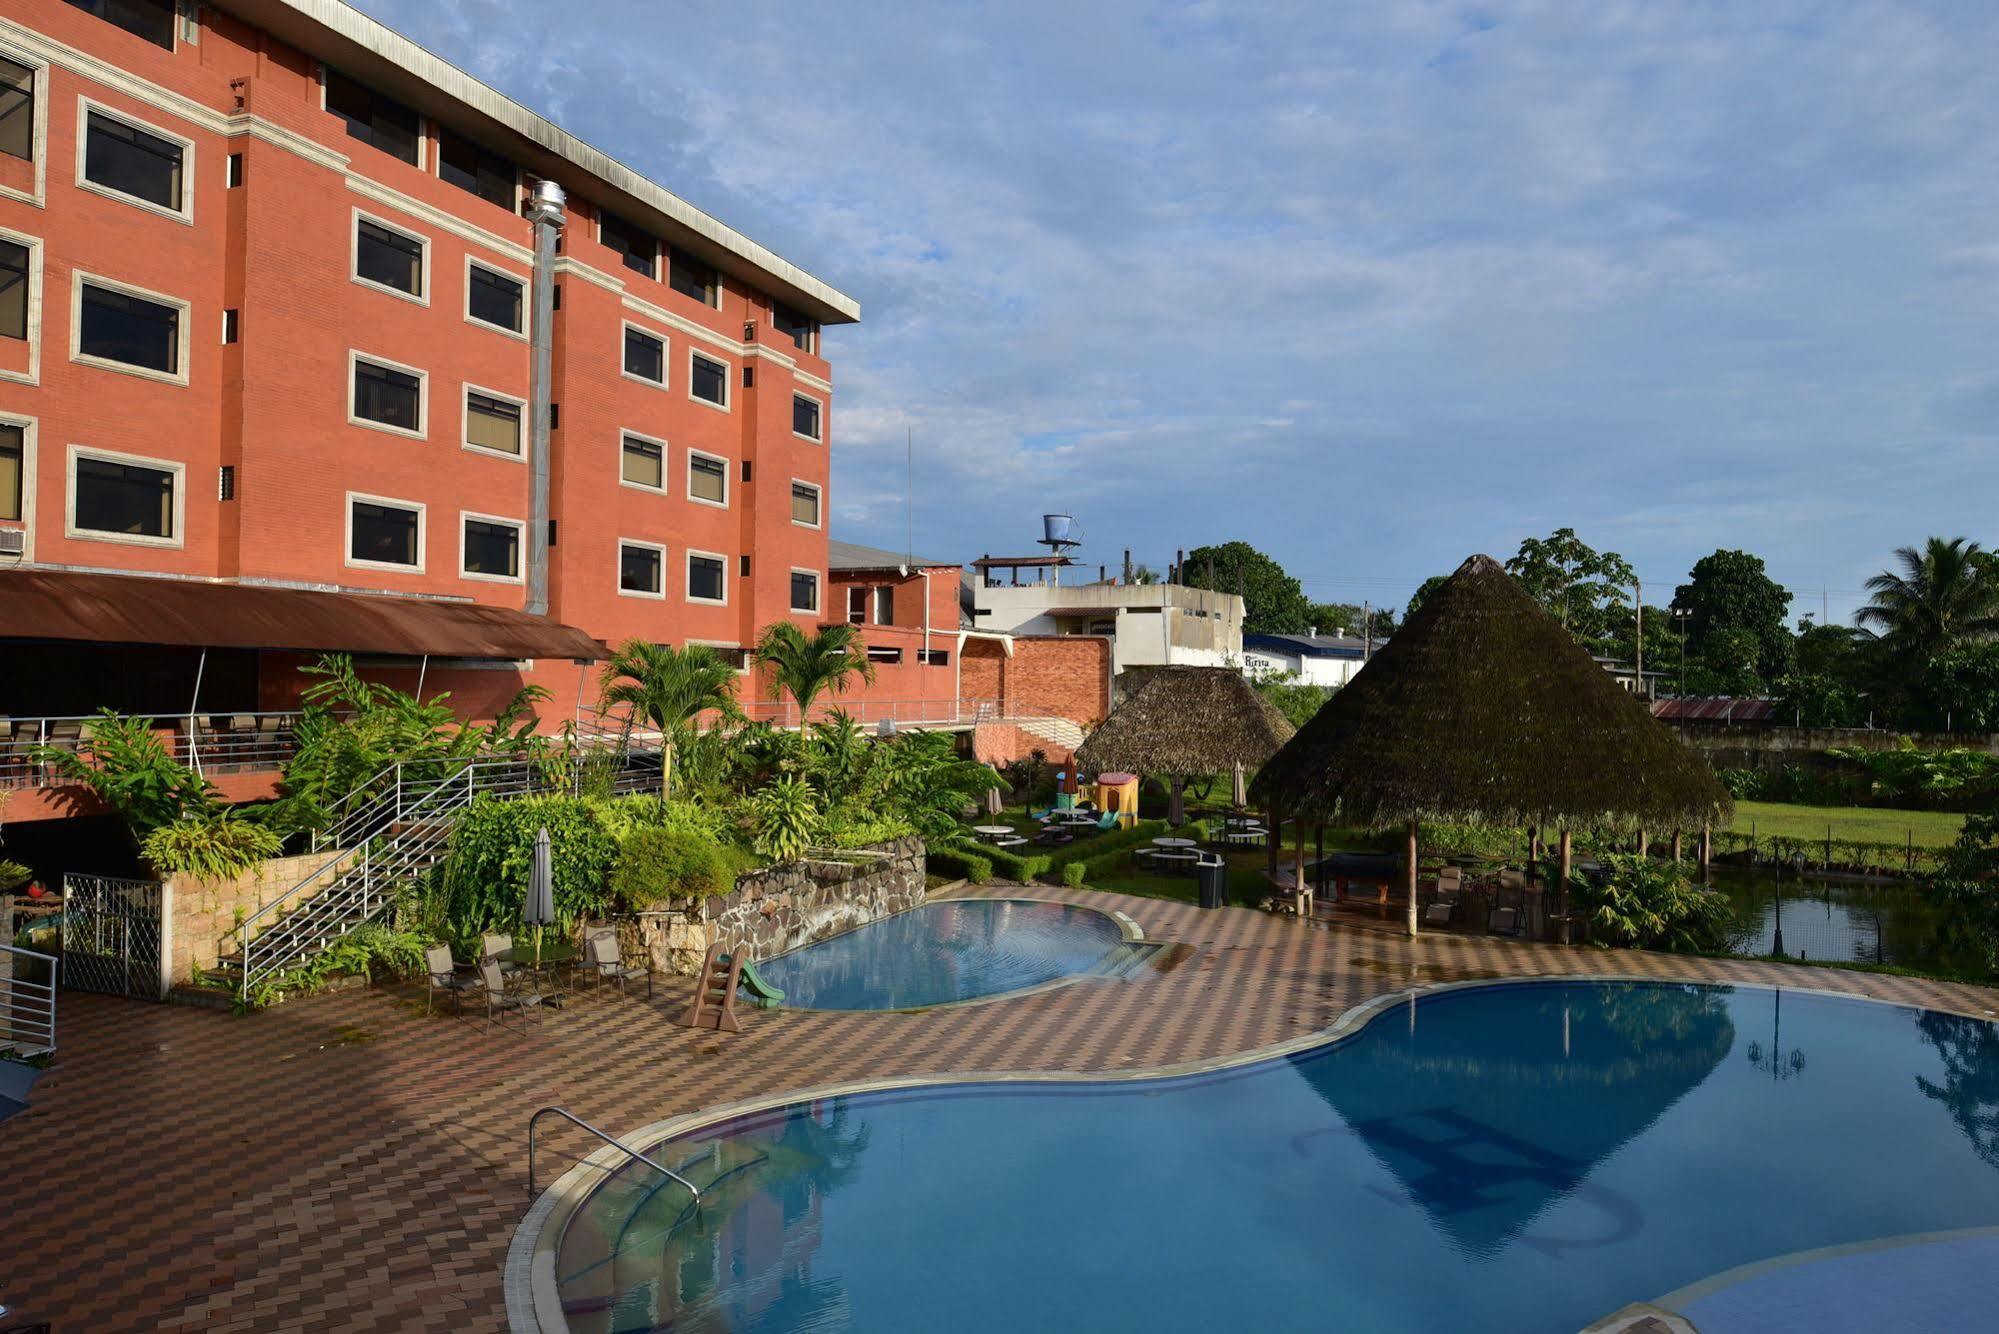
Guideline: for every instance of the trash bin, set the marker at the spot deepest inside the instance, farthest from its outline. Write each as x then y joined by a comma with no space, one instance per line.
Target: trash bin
1214,882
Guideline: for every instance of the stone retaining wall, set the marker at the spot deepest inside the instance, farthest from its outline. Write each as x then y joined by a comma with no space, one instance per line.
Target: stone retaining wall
204,913
783,907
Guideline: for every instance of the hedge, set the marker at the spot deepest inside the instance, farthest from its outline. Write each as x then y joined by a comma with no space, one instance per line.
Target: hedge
1115,850
960,864
1089,847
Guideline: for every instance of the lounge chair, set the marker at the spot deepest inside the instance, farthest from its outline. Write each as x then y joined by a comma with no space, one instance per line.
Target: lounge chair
1508,921
444,976
500,1001
600,955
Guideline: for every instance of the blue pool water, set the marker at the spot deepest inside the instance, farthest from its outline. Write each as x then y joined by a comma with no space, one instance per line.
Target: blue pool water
947,951
1516,1158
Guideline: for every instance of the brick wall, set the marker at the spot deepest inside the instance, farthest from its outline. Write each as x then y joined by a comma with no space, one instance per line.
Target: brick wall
1057,676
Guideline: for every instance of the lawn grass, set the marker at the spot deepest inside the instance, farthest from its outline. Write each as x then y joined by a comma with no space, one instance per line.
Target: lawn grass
1771,819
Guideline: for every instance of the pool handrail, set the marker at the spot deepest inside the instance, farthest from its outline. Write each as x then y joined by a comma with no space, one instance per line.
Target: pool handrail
626,1149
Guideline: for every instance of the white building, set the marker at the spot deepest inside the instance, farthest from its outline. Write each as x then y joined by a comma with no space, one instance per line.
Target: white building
1149,625
1314,660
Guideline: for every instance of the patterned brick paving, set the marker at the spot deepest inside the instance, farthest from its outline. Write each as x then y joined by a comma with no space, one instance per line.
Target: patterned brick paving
345,1164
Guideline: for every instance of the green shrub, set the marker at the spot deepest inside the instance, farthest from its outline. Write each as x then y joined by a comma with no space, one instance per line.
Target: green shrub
848,831
659,864
784,818
484,878
960,864
13,875
1073,874
1011,865
1644,903
216,846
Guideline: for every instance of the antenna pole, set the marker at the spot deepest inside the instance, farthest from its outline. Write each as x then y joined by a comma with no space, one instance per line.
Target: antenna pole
909,492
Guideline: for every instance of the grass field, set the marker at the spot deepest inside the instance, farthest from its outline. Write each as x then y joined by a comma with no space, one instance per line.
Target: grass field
1770,819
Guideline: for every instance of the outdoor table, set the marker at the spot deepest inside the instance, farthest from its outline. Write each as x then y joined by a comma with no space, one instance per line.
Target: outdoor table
992,833
1071,817
554,954
1174,843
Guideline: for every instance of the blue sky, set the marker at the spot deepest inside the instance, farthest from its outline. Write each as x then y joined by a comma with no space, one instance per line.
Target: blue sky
1372,286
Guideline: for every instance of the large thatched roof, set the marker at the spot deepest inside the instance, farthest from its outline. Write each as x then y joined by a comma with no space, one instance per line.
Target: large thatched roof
1483,708
1186,721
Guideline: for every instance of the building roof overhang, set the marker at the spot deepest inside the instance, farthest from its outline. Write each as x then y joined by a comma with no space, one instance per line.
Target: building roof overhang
188,613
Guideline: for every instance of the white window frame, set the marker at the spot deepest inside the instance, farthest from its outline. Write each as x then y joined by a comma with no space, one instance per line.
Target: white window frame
402,230
687,575
465,423
76,534
85,108
876,594
820,577
618,571
728,489
519,526
422,534
728,402
665,486
182,355
356,356
527,301
38,196
665,356
748,665
820,403
33,375
30,435
818,503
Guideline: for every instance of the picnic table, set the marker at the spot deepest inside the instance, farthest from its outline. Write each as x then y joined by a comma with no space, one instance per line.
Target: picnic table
992,833
1071,817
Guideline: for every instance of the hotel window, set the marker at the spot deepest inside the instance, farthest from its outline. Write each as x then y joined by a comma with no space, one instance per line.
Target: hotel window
123,498
857,606
884,605
13,462
17,110
150,19
934,657
372,118
690,277
387,396
879,653
707,479
492,423
494,298
804,591
645,356
803,333
805,504
13,290
638,247
641,570
388,258
129,330
384,534
476,169
645,463
805,416
706,577
492,549
708,380
127,160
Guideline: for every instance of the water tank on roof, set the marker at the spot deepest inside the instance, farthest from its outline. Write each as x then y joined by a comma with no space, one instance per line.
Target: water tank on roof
1059,530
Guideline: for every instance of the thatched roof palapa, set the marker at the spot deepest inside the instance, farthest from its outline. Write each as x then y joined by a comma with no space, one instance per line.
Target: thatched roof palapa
1185,721
1483,708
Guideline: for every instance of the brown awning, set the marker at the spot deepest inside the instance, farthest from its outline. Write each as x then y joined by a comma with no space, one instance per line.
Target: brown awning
130,609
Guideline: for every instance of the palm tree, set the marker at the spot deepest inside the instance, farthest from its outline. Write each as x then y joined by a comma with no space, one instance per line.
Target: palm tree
1942,596
669,688
806,666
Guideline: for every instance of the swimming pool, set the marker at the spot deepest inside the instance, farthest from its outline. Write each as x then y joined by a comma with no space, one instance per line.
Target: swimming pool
949,950
1509,1158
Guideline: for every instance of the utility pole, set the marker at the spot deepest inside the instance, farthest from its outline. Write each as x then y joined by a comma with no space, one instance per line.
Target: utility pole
1367,628
1638,613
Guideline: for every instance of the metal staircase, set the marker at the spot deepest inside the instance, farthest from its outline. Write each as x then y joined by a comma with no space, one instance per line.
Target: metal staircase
396,832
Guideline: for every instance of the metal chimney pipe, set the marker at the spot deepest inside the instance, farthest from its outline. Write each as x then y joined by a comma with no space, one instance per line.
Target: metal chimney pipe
545,211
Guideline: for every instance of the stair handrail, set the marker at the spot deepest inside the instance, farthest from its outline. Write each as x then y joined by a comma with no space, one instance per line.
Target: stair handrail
626,1149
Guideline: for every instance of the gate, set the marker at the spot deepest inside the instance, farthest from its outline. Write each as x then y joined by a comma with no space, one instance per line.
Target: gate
111,935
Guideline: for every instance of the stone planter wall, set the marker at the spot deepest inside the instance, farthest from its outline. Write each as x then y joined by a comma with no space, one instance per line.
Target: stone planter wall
204,912
783,907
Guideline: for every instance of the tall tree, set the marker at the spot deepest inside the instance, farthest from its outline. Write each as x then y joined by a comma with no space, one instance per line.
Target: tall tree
806,666
1422,594
1350,618
1729,595
1940,598
1273,602
1580,586
669,688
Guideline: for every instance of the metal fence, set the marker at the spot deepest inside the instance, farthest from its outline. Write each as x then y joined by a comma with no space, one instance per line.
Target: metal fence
27,999
112,935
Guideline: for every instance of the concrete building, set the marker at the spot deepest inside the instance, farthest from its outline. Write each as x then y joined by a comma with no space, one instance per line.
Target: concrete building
1313,659
907,611
1148,625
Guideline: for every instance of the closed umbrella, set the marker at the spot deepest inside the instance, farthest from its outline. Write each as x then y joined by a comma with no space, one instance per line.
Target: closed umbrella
539,910
1239,789
994,799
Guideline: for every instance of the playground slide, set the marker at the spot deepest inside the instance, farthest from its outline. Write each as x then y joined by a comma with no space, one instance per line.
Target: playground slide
761,993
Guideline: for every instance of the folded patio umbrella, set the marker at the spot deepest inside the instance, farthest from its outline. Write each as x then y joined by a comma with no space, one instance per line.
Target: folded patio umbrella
539,910
995,798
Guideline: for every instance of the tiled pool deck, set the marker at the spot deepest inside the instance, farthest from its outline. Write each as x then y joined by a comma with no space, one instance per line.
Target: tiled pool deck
345,1164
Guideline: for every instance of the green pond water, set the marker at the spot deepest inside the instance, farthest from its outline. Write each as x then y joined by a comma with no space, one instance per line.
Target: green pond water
1903,923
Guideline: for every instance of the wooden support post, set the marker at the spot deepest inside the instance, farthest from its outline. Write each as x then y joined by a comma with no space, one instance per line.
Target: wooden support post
1301,887
1319,851
1707,844
1643,841
1677,849
1412,878
1562,886
1276,837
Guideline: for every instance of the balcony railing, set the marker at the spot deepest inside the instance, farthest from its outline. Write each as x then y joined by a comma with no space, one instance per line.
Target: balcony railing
212,743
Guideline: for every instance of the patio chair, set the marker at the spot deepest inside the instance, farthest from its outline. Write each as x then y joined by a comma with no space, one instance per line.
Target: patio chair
600,954
500,1001
491,947
444,976
1508,920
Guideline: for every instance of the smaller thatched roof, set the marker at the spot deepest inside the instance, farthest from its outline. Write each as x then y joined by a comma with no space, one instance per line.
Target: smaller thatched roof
1482,708
1186,721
